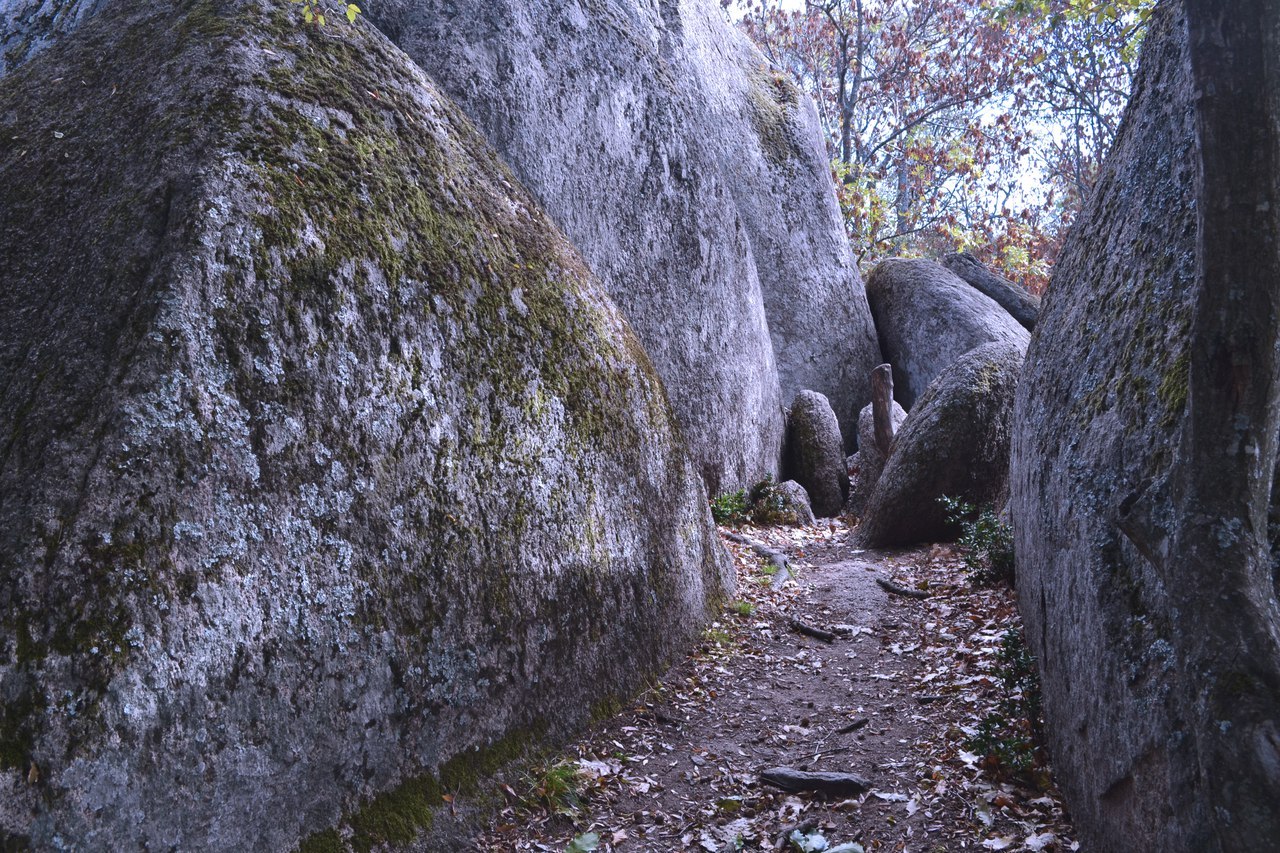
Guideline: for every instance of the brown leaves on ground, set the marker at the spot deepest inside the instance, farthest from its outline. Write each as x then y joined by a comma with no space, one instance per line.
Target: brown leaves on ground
897,697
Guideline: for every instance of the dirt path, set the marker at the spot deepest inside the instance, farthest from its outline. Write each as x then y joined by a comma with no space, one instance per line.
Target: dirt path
897,698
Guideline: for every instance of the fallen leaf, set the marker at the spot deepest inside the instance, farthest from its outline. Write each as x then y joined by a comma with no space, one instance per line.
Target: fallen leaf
584,843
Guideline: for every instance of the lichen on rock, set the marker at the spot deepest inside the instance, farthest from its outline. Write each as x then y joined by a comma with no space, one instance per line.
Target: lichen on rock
1139,506
325,459
694,179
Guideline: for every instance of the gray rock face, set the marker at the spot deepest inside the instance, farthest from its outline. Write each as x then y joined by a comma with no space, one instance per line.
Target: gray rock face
870,459
695,182
955,442
29,26
814,455
328,470
796,502
1144,436
927,318
1021,305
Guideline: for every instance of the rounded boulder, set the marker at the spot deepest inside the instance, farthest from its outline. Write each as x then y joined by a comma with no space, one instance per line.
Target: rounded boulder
955,443
870,459
927,317
814,455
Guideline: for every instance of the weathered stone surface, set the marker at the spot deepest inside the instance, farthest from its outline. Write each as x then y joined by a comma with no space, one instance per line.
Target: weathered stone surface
1021,305
29,26
954,442
814,455
927,318
795,501
870,459
1145,436
695,181
327,468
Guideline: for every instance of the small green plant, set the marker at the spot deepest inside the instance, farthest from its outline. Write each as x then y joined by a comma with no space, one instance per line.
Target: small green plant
768,504
717,637
584,843
731,508
1008,738
743,608
313,11
986,541
764,504
558,788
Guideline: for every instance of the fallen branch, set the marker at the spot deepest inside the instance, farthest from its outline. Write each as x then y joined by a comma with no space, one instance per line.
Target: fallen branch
804,828
893,589
810,631
854,726
776,558
833,784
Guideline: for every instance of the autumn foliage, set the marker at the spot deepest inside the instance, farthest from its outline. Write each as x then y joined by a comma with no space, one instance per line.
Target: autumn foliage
959,125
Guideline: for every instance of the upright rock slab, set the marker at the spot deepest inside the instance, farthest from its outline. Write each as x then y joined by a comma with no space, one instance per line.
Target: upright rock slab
927,318
694,180
329,474
1144,453
870,459
813,455
1021,305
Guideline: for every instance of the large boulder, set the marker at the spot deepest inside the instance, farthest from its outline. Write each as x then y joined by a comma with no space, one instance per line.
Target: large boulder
695,181
1143,455
330,476
814,455
870,458
954,443
1022,305
927,318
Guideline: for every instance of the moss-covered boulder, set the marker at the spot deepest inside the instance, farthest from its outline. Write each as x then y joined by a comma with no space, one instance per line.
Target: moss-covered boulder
29,26
694,179
954,443
796,509
329,476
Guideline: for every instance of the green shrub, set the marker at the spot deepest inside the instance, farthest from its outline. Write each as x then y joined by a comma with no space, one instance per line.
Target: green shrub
558,788
763,504
769,505
1009,738
730,508
986,541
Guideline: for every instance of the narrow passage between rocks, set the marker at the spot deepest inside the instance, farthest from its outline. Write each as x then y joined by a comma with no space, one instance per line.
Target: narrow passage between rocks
825,673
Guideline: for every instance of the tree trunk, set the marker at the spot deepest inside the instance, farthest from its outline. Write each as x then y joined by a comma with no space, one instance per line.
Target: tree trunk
846,108
882,406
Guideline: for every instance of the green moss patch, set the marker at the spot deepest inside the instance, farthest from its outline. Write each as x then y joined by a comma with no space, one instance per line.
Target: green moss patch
773,97
399,815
